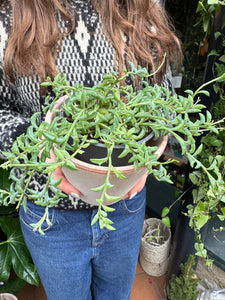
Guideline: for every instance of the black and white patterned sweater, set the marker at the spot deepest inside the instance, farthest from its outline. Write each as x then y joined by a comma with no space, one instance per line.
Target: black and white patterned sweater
81,58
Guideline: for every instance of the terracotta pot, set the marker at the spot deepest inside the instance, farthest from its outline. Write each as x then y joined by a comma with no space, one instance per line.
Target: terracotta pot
90,176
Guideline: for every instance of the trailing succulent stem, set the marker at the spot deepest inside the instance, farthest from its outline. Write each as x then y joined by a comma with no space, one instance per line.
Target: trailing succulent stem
111,113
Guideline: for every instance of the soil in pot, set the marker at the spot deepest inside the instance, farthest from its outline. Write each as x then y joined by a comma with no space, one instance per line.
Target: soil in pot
99,150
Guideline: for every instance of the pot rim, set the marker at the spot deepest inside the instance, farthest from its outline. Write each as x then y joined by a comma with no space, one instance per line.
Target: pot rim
125,169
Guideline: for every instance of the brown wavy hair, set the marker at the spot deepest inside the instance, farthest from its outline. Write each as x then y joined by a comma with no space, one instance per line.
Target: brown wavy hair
35,35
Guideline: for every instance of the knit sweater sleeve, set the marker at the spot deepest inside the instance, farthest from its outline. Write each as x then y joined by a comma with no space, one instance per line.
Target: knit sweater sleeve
167,79
12,119
12,122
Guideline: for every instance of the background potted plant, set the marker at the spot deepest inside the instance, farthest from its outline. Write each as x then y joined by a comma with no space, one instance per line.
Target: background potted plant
16,266
113,113
203,199
210,199
155,247
185,285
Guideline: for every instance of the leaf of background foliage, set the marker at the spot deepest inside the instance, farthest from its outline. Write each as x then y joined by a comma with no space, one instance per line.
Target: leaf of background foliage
4,178
5,184
7,210
13,286
14,253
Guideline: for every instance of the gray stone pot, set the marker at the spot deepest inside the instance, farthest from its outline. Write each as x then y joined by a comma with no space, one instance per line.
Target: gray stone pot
155,253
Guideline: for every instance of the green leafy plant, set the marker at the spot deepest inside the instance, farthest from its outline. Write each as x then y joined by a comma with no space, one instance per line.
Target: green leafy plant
155,236
207,10
208,198
207,176
14,255
111,113
209,186
207,172
185,285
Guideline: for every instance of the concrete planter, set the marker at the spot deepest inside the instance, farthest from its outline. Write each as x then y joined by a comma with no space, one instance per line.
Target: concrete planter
155,253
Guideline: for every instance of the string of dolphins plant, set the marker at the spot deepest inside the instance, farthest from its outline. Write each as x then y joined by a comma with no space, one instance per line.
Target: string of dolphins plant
111,113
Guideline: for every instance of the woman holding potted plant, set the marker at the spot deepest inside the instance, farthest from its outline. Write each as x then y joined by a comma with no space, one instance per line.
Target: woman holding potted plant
80,39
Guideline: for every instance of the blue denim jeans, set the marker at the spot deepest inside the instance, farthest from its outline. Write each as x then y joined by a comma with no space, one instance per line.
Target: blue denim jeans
77,261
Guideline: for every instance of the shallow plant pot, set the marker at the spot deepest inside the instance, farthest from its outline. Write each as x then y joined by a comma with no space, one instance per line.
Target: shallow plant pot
90,176
155,255
7,296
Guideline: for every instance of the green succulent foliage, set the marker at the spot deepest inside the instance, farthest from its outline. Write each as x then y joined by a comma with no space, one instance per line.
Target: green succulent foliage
209,197
185,285
111,113
14,253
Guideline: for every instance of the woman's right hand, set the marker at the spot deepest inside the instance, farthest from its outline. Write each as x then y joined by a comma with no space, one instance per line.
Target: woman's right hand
65,185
